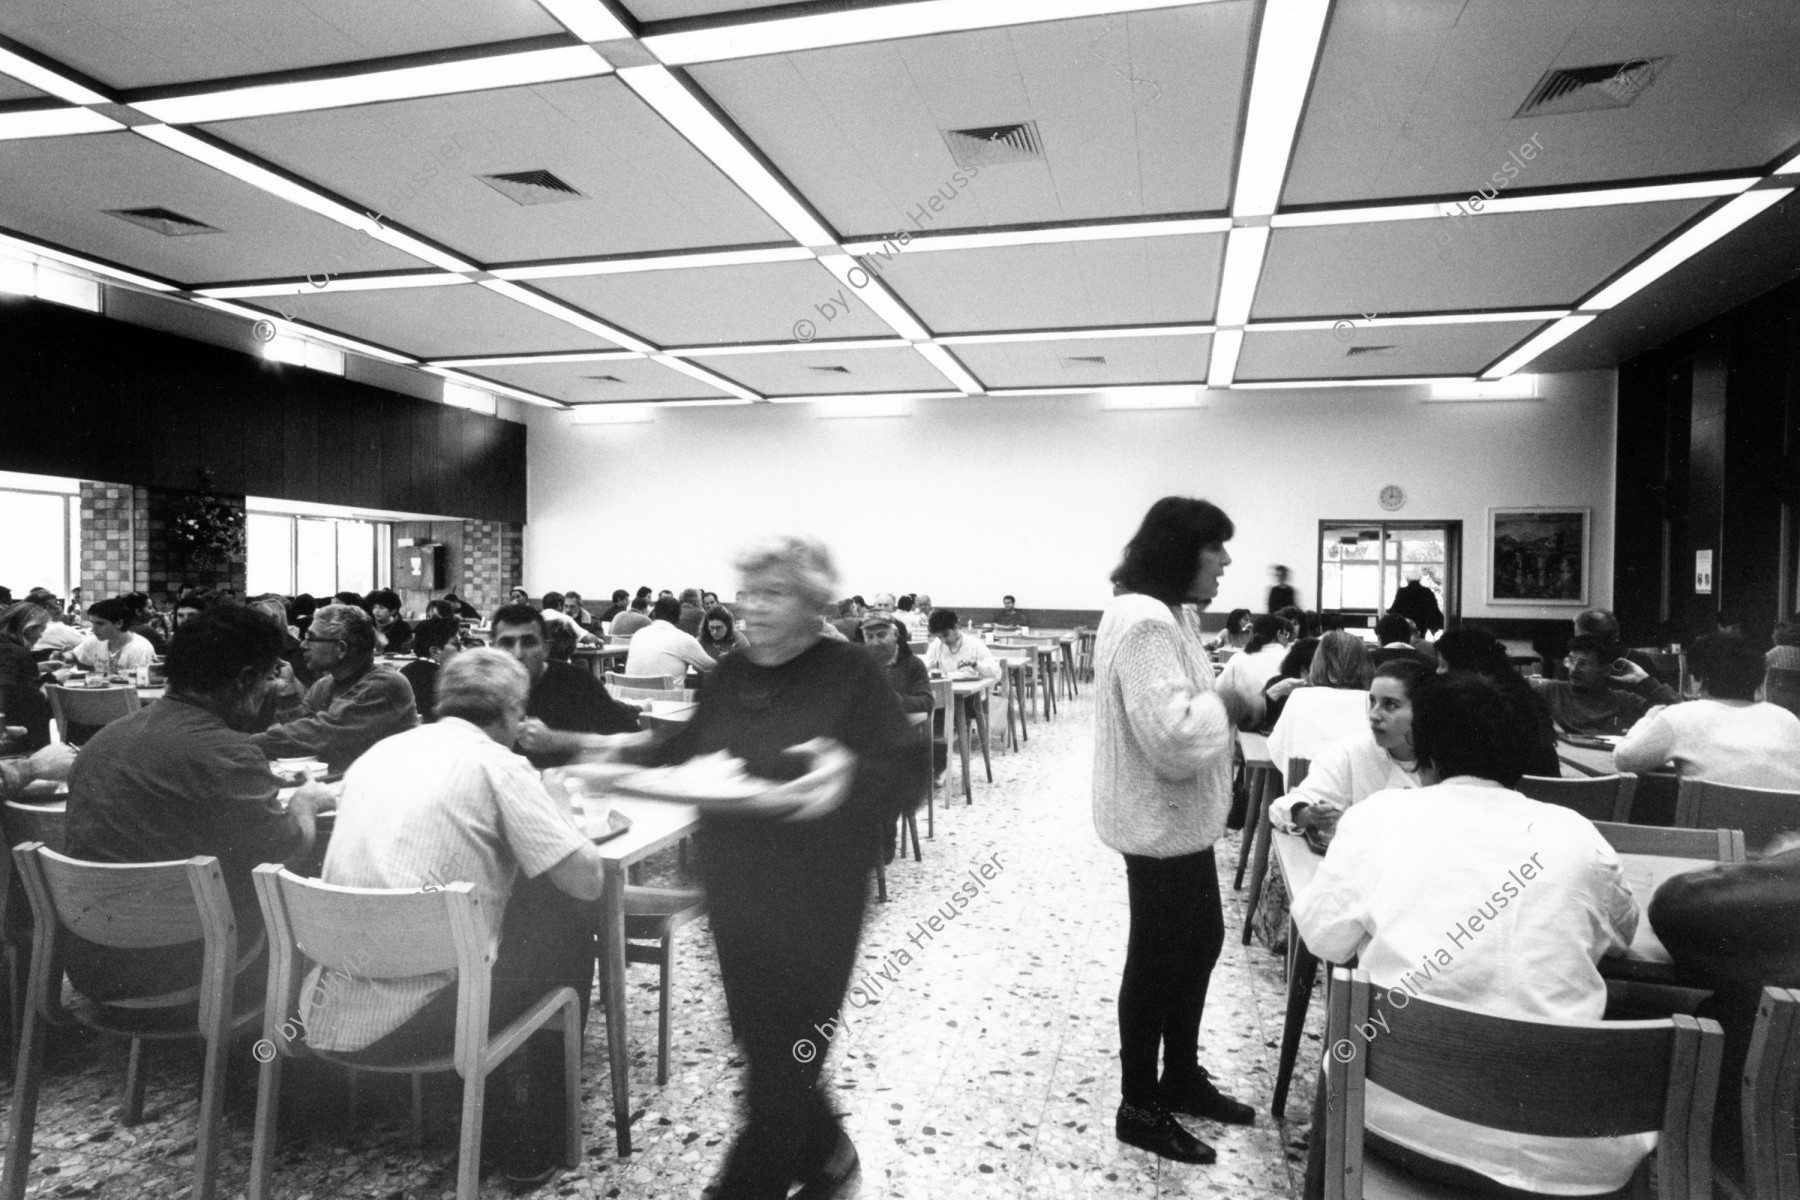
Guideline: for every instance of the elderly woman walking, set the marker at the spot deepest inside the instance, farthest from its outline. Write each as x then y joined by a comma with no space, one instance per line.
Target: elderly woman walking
1163,741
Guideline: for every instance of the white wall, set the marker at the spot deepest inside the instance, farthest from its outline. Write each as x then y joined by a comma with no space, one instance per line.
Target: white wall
969,499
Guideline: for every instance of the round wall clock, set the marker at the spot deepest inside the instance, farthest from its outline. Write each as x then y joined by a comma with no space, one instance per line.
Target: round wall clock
1393,497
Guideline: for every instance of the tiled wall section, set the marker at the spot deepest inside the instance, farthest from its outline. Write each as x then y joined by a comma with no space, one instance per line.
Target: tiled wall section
493,562
168,567
115,552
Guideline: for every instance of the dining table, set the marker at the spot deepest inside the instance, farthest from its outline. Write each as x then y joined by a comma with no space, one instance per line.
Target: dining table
965,691
1644,961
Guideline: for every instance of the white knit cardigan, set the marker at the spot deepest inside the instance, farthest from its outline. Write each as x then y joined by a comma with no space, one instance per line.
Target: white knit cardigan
1162,741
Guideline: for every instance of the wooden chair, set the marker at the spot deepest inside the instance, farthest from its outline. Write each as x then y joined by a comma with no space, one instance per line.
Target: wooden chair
1760,812
137,907
653,915
1771,1100
1598,798
686,695
1297,769
1084,652
943,700
1013,669
615,681
395,934
22,823
921,723
88,709
1719,845
1571,1079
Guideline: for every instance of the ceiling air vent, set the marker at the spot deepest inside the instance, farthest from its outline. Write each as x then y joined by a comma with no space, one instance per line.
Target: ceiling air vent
1371,351
991,144
1085,360
602,379
830,370
163,221
1587,89
532,187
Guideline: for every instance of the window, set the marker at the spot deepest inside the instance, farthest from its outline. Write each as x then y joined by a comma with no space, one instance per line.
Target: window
1363,563
40,533
321,556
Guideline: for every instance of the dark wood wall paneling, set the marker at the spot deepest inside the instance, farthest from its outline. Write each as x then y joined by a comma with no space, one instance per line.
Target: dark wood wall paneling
96,399
1708,431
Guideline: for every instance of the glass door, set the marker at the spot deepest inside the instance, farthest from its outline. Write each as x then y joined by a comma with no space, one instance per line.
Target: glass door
1362,564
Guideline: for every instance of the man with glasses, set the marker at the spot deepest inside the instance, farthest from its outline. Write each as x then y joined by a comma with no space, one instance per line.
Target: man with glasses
1601,694
353,704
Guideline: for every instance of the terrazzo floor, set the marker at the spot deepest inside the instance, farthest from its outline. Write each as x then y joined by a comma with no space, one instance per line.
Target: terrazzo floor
985,1067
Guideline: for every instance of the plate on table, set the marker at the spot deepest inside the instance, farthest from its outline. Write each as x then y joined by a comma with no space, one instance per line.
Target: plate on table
615,823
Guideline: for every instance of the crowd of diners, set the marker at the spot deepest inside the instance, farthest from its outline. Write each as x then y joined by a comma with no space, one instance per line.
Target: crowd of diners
1416,748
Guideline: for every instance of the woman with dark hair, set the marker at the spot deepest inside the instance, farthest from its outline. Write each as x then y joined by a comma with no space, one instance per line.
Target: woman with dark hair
1250,670
719,634
1236,634
1294,665
1375,758
1727,735
383,604
1477,650
21,686
1163,742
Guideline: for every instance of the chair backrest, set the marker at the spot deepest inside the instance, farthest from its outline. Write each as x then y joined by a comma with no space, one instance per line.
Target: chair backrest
128,906
36,823
370,933
1585,1078
1760,812
1771,1098
1297,769
943,695
657,682
1598,798
652,693
1719,845
92,707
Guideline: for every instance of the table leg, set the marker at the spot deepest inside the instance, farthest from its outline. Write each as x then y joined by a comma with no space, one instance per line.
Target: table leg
962,742
1069,669
612,978
1300,988
1259,862
980,702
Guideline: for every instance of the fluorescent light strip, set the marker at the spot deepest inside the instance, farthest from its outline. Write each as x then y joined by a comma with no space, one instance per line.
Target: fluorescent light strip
565,314
53,122
1039,237
1048,391
32,249
1709,230
875,294
368,283
1285,52
1361,322
1549,202
707,403
46,80
1158,396
307,331
1373,381
526,360
1243,269
1513,387
712,379
611,414
488,385
816,31
589,20
1537,345
1789,167
662,262
870,397
952,370
659,88
890,343
1058,335
401,83
1225,346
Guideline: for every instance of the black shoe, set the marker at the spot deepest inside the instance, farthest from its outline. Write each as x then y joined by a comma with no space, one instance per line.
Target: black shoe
1199,1098
1156,1130
834,1176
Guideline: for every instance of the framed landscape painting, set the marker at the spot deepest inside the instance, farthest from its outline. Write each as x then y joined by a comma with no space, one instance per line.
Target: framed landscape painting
1538,556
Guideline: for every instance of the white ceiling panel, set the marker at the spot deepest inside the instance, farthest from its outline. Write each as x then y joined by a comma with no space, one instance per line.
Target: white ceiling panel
12,89
1360,352
644,187
1417,97
61,189
671,10
1181,359
437,322
599,382
764,302
1484,261
814,372
1136,113
146,43
1137,281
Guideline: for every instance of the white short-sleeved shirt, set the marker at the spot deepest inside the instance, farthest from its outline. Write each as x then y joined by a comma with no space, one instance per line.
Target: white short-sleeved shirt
1724,741
96,656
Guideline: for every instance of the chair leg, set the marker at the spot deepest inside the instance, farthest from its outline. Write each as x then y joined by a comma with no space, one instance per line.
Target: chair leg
1259,866
418,1109
212,1107
1300,989
1247,835
24,1106
571,1023
880,880
468,1150
981,724
667,962
132,1111
912,823
268,1113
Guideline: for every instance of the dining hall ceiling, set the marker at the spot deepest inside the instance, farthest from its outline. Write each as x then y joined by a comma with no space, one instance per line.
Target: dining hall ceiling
581,201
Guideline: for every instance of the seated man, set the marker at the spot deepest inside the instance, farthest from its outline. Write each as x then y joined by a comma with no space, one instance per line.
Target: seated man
849,618
566,700
434,640
1009,613
637,617
692,613
664,649
141,623
112,648
902,668
1605,626
1602,694
383,605
1532,898
461,609
1394,636
911,619
884,603
1727,735
446,803
351,705
57,636
620,597
953,652
182,777
189,606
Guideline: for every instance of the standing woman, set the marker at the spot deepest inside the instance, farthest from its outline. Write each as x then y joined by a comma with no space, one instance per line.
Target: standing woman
1163,739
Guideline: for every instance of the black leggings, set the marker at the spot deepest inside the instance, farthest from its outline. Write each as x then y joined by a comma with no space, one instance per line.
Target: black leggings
1177,931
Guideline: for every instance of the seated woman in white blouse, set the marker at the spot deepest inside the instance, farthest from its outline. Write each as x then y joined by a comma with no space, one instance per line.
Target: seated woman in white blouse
1326,707
1375,758
1726,736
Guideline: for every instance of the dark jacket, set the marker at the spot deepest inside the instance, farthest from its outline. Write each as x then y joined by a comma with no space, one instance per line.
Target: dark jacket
1418,603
